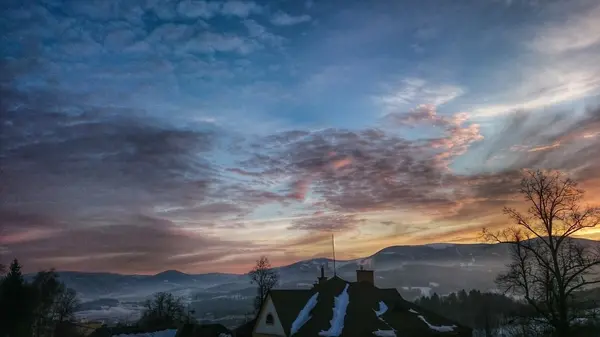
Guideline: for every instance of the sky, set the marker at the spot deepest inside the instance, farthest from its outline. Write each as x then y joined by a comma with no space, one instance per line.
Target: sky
143,135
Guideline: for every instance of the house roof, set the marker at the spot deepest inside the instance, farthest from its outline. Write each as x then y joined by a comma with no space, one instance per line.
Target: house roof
202,330
360,317
245,330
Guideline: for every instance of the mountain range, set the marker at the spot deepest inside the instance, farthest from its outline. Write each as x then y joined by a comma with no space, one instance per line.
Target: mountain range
413,270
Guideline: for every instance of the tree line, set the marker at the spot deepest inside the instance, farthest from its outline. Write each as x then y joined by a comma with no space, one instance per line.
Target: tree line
161,312
549,269
484,311
43,307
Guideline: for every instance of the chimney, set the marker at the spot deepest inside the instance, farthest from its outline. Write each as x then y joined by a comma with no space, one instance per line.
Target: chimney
322,279
365,276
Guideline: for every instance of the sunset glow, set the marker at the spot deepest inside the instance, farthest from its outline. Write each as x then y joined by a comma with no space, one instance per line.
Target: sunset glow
140,136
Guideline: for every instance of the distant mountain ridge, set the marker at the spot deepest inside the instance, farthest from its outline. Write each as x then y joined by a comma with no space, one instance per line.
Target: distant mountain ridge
227,298
447,266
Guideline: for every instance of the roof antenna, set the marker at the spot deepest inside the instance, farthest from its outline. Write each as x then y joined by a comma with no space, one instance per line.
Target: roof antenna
333,248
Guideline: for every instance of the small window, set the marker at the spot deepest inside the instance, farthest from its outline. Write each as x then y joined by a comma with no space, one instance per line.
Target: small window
270,320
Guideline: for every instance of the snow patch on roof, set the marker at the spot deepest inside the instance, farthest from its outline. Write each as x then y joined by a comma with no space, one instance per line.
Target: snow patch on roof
222,334
304,314
385,333
439,328
382,309
163,333
339,314
413,311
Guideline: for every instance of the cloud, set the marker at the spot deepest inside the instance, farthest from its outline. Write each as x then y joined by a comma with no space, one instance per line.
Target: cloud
421,114
31,234
557,63
326,223
574,32
457,136
355,173
168,127
240,8
281,18
195,8
82,180
209,9
416,91
558,141
210,42
366,169
100,150
259,32
109,248
547,86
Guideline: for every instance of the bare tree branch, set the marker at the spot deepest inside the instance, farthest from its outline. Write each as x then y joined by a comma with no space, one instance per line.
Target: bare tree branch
548,266
265,278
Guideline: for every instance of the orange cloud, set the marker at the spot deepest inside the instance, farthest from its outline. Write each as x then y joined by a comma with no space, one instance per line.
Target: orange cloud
300,188
338,164
27,236
544,148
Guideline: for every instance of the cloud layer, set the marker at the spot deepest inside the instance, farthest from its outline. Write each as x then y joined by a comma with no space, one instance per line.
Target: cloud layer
197,135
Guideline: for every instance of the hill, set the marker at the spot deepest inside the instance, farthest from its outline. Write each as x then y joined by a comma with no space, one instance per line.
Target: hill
413,270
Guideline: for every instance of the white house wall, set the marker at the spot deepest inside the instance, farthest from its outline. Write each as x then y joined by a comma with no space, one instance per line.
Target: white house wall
262,328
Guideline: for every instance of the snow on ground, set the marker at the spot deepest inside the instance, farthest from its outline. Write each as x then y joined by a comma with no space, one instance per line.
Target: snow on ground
439,328
339,314
163,333
382,309
385,333
110,313
224,335
304,314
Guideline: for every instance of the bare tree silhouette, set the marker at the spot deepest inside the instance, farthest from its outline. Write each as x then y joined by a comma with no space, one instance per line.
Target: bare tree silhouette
548,267
265,278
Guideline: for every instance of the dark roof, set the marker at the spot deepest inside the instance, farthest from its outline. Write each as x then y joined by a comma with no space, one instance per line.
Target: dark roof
245,330
201,330
360,319
286,302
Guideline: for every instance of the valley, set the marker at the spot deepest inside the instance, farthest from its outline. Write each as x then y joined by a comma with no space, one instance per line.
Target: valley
227,298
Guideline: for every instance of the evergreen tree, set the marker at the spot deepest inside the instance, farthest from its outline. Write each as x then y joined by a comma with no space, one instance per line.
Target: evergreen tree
42,308
483,311
16,310
462,296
